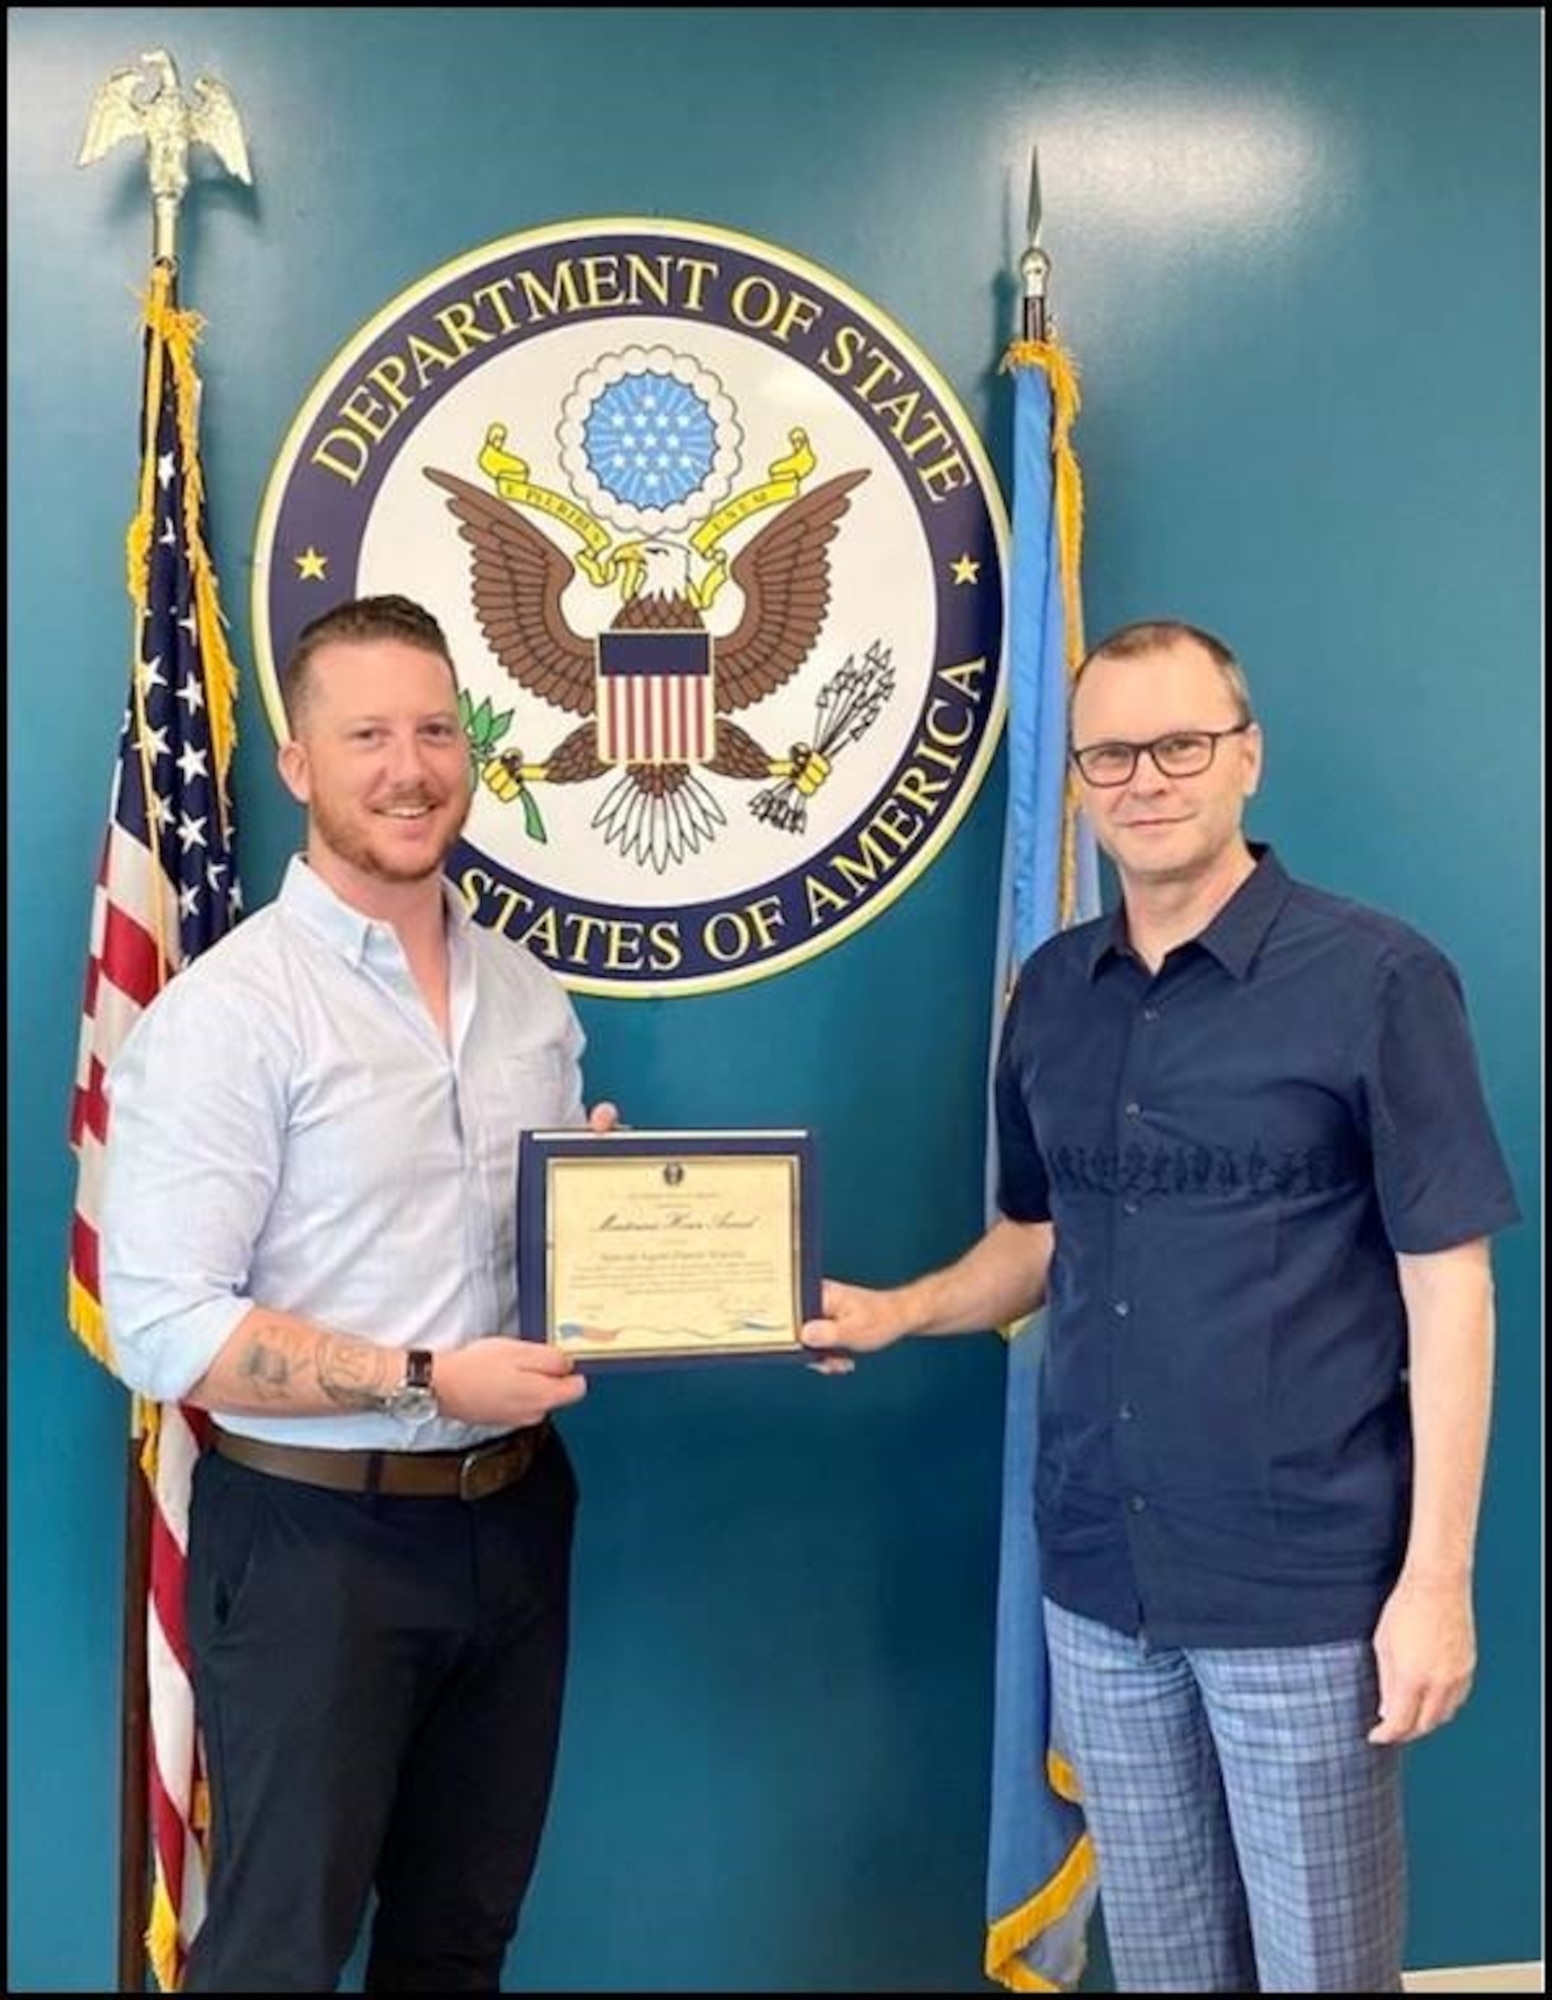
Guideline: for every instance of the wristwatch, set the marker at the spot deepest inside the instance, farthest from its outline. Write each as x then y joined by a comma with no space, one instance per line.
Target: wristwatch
414,1400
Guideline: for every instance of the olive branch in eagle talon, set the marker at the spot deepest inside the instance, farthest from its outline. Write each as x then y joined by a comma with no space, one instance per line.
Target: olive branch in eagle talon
504,772
656,812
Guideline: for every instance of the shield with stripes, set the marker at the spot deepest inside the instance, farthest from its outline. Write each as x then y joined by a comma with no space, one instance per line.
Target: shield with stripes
656,697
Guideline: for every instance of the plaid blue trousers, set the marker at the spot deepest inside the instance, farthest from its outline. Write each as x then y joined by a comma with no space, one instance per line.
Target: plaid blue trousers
1248,1837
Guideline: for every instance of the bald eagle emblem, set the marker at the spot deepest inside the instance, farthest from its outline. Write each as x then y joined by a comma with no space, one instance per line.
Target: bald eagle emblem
658,696
144,102
720,559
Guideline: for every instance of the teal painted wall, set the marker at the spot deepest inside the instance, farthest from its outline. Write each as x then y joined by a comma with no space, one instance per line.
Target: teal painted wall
1297,256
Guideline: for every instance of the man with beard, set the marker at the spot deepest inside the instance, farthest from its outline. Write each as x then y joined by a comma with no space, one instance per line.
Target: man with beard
310,1232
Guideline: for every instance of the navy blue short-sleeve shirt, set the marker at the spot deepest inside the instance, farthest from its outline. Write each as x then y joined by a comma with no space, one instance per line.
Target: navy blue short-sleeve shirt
1233,1151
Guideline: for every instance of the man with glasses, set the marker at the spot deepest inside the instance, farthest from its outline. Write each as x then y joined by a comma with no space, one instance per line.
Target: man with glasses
1246,1161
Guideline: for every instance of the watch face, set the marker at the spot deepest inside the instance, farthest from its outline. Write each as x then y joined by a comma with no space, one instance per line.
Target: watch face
411,1405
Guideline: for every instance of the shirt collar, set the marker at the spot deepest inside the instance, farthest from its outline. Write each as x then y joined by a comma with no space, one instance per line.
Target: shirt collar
1234,936
306,896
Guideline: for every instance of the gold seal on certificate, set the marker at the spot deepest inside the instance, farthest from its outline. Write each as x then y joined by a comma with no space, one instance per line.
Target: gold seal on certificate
668,1245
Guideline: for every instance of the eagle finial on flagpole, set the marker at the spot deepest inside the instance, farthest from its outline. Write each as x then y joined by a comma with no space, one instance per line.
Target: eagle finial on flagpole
144,102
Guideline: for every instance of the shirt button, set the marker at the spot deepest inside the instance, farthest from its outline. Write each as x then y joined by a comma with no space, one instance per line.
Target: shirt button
1121,1308
1130,1207
1137,1504
1150,1013
1133,1110
1126,1413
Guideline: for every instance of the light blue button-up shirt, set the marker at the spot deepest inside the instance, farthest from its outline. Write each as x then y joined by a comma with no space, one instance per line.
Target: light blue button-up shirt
289,1129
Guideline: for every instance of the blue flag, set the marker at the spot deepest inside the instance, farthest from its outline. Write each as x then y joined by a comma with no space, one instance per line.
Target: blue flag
1041,1881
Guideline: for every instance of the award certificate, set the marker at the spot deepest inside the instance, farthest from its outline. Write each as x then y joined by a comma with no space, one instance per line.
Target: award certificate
668,1245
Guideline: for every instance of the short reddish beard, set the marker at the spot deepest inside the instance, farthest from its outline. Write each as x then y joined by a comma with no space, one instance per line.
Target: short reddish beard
344,839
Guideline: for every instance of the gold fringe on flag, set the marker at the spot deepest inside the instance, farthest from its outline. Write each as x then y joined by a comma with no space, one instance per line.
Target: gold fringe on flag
83,1314
1067,506
175,333
1007,1938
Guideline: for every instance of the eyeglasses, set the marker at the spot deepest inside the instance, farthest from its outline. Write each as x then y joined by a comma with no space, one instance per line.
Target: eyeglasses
1184,753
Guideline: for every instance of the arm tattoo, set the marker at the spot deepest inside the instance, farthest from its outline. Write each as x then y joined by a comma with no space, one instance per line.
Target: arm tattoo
281,1363
356,1378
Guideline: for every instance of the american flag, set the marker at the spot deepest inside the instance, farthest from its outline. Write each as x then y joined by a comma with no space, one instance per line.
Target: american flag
166,888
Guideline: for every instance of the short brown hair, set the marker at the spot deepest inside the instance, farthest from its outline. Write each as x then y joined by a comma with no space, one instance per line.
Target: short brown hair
1158,635
358,618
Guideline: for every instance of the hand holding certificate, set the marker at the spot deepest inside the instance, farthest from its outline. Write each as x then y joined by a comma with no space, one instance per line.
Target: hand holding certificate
668,1245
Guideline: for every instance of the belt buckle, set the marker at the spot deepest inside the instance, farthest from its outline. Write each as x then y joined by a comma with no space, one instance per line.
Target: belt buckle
481,1472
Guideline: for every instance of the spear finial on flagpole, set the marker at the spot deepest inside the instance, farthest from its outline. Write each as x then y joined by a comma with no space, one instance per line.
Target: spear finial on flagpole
144,102
1034,265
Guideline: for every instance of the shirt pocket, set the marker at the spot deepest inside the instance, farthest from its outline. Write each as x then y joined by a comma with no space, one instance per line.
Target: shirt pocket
520,1092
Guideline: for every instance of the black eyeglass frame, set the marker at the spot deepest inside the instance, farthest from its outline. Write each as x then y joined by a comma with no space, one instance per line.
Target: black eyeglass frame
1211,737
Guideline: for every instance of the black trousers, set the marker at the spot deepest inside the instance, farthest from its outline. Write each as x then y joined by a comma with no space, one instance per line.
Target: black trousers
378,1682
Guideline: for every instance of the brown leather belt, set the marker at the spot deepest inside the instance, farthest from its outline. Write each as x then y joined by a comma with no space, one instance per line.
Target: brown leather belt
426,1475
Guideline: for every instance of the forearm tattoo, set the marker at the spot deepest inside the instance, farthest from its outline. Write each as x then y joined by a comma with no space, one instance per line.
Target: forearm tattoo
283,1364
